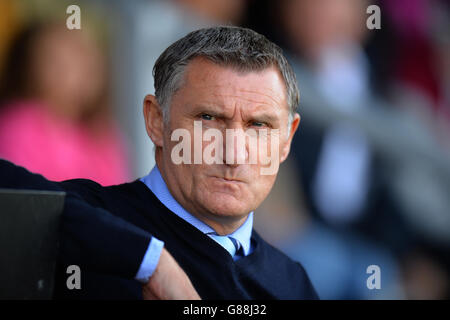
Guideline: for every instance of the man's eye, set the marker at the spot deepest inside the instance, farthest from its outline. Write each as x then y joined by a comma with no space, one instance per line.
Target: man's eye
258,124
207,117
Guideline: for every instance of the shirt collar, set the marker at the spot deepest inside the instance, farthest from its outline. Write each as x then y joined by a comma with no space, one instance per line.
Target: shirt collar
155,182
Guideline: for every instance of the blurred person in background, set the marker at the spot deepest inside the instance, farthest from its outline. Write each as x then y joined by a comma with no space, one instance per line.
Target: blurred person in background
324,38
417,77
54,116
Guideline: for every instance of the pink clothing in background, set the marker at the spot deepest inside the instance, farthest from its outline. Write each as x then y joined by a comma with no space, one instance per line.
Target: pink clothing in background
58,149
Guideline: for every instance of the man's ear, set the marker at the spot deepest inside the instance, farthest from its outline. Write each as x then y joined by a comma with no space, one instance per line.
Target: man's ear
287,146
154,122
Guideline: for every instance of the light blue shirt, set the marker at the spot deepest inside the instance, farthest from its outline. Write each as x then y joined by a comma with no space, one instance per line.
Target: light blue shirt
155,182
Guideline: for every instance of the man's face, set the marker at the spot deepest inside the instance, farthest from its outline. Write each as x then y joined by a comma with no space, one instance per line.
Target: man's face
222,98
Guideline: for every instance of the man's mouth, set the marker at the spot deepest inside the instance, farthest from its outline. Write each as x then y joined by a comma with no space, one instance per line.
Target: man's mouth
226,179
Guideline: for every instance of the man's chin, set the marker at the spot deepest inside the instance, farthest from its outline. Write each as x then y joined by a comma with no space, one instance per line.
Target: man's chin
224,207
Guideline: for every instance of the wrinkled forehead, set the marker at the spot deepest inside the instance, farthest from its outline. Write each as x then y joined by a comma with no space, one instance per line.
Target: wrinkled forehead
204,79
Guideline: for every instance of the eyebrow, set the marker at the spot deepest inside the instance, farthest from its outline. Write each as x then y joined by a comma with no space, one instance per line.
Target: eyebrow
266,117
217,111
211,109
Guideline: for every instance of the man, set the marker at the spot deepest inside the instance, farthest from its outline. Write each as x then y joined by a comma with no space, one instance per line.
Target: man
223,79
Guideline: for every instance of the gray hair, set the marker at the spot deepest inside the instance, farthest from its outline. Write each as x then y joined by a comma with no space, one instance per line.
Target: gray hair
237,47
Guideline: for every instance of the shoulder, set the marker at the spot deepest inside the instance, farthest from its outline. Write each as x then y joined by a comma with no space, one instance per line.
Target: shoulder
96,194
285,270
83,187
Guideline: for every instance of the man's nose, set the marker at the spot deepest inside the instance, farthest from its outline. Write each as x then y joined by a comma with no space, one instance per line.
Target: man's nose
235,147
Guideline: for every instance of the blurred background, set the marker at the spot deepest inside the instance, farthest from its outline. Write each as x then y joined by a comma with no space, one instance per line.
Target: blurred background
368,179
